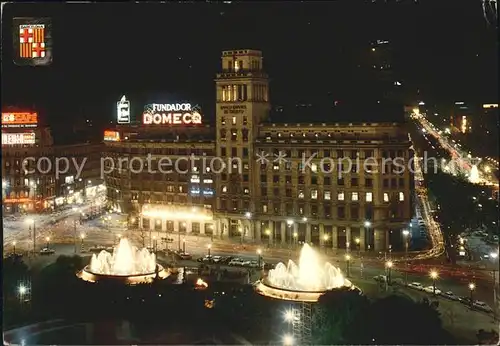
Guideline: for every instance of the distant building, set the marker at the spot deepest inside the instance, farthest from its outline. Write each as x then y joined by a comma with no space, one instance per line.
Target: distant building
259,188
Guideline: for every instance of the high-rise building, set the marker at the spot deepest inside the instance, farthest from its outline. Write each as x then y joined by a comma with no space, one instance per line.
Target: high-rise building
249,178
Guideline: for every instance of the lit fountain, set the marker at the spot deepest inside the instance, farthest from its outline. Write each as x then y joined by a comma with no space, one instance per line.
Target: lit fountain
127,264
306,281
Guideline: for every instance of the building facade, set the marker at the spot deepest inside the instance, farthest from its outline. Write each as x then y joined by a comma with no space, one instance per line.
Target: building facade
335,185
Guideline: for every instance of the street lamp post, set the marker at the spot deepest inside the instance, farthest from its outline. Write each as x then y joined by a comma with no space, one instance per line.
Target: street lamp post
348,267
358,246
367,225
184,245
494,256
434,276
209,247
74,234
290,223
82,237
154,243
472,286
406,234
268,233
325,239
295,238
259,254
14,247
48,240
388,265
240,230
32,222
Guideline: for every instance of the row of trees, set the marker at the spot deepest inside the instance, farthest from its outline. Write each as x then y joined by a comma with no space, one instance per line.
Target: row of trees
346,317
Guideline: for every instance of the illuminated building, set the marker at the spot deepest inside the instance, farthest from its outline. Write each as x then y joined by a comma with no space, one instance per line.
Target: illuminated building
23,136
250,200
460,119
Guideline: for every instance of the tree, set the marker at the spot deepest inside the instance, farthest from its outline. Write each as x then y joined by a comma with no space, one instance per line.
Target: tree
336,310
398,320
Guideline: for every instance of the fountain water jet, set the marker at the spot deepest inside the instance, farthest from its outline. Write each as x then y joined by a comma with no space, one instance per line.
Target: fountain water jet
303,282
126,263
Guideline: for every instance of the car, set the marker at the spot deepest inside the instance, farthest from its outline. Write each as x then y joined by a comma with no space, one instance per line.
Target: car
465,300
184,255
269,266
253,264
416,285
226,259
482,306
236,262
432,290
205,259
246,263
47,251
450,295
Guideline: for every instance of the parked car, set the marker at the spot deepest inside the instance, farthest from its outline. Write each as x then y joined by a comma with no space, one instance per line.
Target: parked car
184,255
432,290
253,264
47,251
226,259
465,300
206,259
482,306
416,285
269,266
238,262
450,295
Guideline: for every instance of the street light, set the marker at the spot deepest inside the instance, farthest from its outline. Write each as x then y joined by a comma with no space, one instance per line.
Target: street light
304,219
248,214
434,275
290,223
32,222
367,225
325,239
184,245
82,237
259,254
240,230
494,256
48,240
388,265
472,287
268,233
288,340
209,247
348,269
358,245
406,234
14,247
295,238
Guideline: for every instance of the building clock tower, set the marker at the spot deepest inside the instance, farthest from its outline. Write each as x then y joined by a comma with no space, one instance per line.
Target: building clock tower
242,104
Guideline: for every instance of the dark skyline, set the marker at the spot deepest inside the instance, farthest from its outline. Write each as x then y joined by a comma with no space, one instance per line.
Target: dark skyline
314,52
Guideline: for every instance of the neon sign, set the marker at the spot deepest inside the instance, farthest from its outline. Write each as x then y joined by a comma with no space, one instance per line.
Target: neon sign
111,136
175,114
18,138
123,111
19,119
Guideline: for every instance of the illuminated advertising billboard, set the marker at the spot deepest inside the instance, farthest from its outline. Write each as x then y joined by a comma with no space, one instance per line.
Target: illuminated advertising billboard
171,114
111,136
24,119
18,138
123,111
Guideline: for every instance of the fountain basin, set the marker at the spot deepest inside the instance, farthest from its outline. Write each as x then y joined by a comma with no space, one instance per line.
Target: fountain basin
133,279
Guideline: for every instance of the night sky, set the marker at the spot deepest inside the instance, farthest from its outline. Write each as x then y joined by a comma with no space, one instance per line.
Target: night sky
314,52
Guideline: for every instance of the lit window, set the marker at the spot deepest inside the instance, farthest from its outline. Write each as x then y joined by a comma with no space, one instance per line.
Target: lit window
276,166
314,194
208,169
327,195
195,169
354,196
401,196
340,196
369,197
301,194
234,121
264,208
386,197
314,167
246,191
180,189
224,189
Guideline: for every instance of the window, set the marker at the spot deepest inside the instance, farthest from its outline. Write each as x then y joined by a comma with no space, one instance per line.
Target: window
401,182
386,197
326,181
385,183
327,167
234,135
354,181
302,179
354,196
301,194
223,151
326,153
263,191
245,152
263,178
289,192
369,197
401,196
288,179
327,195
276,178
340,196
368,153
276,166
314,194
368,182
354,212
234,121
224,188
223,120
245,122
341,212
314,167
234,152
340,181
223,134
314,180
246,190
264,208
